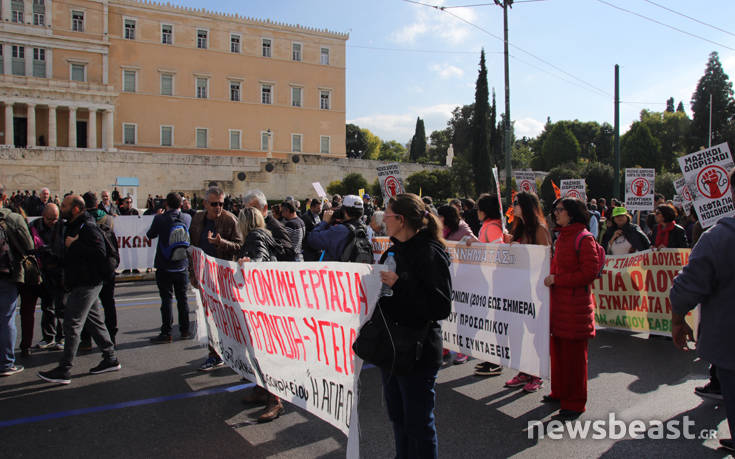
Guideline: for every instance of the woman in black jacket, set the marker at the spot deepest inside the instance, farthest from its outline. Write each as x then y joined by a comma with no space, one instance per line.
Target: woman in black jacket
421,297
622,236
667,234
259,243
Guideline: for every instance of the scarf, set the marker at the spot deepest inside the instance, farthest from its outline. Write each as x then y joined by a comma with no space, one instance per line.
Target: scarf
662,235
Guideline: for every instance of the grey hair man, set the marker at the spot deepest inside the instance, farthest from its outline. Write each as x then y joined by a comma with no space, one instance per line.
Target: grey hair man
285,250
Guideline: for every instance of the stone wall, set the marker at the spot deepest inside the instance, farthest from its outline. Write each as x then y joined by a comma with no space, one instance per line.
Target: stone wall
64,169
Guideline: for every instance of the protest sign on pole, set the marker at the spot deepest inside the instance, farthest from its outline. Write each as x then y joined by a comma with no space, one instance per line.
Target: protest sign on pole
574,188
706,175
319,190
639,185
391,180
289,327
136,250
682,191
633,291
526,181
500,306
500,197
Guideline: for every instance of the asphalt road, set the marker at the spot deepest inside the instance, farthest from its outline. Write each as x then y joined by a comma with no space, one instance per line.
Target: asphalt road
159,405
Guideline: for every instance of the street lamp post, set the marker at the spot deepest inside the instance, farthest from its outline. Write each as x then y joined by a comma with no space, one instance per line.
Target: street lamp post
270,143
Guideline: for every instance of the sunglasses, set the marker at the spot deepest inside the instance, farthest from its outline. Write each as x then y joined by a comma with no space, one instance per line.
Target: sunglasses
216,204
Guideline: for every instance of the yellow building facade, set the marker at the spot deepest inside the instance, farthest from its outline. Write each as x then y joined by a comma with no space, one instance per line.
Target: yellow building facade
142,76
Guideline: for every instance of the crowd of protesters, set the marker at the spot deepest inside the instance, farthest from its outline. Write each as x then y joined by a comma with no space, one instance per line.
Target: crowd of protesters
76,229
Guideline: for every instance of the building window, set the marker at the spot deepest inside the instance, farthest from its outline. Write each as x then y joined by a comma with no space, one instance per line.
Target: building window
324,60
266,94
167,84
19,60
39,12
324,99
235,91
266,47
324,144
130,133
201,138
296,143
202,39
39,62
129,29
202,84
167,34
167,136
265,138
296,52
234,43
16,11
129,77
77,21
234,140
78,72
296,96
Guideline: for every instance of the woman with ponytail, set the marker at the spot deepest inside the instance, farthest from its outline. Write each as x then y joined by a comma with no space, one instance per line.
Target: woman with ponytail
422,289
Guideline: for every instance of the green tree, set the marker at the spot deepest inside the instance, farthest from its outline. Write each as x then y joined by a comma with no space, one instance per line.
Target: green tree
460,125
481,130
373,144
356,141
439,144
670,105
418,141
680,107
560,146
600,179
392,151
461,173
664,184
521,154
350,184
435,183
557,174
604,147
714,83
638,147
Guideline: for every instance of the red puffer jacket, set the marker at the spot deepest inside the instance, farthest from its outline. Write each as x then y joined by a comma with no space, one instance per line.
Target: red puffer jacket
572,310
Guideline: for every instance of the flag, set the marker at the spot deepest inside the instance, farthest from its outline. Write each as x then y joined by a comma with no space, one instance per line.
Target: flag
557,191
361,192
419,192
509,212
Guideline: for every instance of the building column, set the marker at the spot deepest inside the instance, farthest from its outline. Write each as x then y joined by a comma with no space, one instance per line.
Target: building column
49,63
28,11
108,130
31,128
52,125
7,55
29,61
6,10
9,137
92,128
72,127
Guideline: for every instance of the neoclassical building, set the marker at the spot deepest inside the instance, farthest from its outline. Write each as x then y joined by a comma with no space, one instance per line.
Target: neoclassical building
147,77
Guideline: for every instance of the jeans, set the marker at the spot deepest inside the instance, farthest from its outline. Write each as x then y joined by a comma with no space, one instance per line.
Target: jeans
727,384
8,331
107,297
52,319
170,284
83,311
410,401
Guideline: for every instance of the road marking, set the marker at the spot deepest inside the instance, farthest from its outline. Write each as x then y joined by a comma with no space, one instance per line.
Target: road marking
118,406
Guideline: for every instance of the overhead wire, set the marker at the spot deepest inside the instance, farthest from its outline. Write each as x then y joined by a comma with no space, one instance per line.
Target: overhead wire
689,17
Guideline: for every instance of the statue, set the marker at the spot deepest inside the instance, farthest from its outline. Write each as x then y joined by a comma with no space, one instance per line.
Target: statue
450,155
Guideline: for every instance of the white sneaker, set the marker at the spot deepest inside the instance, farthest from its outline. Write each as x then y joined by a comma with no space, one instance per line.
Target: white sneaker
45,345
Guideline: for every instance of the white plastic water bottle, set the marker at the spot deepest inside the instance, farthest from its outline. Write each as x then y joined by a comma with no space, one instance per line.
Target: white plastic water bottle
390,263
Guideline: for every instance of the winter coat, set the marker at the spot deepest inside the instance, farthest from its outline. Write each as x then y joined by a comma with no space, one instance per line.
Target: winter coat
226,226
633,234
572,310
85,256
677,237
423,291
259,246
463,231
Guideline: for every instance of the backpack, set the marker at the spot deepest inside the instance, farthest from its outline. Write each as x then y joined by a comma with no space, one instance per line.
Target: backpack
6,258
178,241
600,250
112,254
358,248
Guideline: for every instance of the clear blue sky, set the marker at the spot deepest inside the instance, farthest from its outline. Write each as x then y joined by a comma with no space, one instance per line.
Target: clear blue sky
391,80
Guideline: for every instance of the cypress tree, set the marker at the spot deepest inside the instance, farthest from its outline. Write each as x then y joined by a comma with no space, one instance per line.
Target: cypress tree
481,131
716,83
418,142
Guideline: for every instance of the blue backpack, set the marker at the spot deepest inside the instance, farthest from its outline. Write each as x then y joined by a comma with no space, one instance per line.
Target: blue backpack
177,242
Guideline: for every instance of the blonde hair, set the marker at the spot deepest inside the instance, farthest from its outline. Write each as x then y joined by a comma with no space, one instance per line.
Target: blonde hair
249,219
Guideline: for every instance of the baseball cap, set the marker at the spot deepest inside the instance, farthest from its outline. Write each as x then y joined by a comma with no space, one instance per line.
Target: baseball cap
617,211
365,196
353,201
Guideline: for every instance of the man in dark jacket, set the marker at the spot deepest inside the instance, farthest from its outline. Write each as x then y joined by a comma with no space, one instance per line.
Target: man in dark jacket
84,257
333,238
311,219
107,205
126,207
34,205
285,250
171,270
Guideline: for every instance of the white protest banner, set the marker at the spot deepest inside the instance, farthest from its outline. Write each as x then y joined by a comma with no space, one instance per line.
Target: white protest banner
682,191
526,181
391,180
500,306
136,250
706,176
289,327
319,190
574,188
639,189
